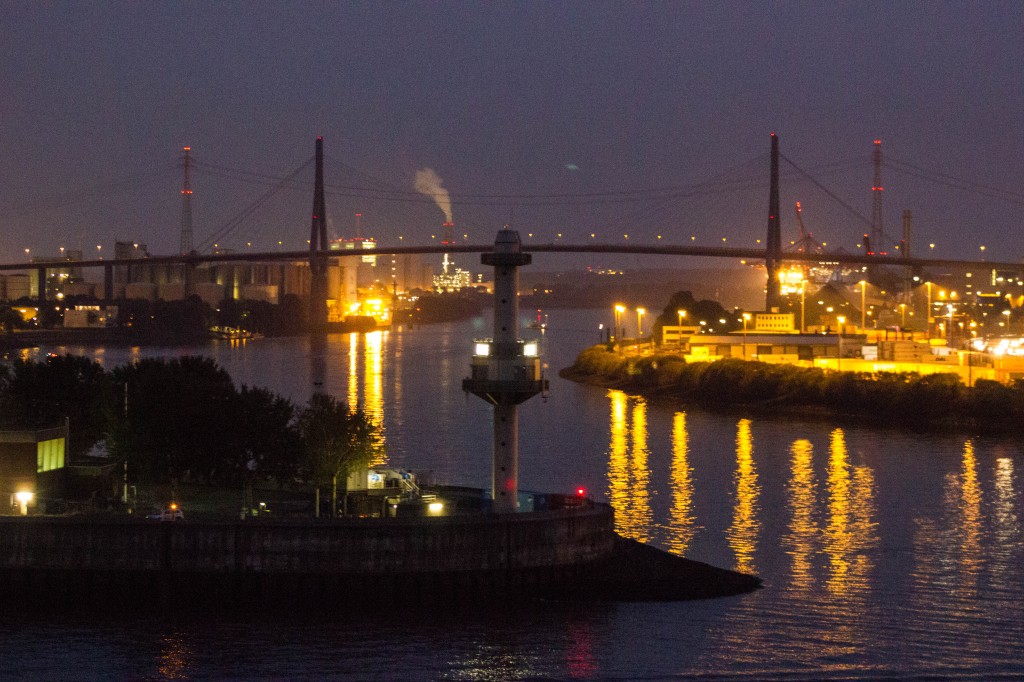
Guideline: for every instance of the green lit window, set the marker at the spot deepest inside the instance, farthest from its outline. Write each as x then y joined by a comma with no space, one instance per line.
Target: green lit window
50,455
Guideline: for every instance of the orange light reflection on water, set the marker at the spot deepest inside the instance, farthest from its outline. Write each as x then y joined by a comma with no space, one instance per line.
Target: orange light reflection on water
353,372
851,530
1006,525
746,526
681,525
628,472
175,657
802,538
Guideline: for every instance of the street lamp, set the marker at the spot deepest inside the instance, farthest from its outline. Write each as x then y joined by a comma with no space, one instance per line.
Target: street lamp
803,289
681,314
640,322
863,305
839,359
619,309
928,316
746,318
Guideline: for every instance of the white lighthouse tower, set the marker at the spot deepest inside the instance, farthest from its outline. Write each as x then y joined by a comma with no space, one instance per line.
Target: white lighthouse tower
505,370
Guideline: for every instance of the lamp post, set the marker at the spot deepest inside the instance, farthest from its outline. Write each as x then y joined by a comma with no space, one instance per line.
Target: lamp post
746,318
681,314
839,358
928,316
640,322
619,309
803,288
863,305
903,316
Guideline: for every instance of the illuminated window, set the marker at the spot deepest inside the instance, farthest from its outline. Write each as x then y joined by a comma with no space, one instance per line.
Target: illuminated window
50,455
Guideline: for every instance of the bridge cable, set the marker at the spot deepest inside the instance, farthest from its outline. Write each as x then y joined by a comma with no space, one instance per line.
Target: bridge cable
235,221
102,190
951,181
826,190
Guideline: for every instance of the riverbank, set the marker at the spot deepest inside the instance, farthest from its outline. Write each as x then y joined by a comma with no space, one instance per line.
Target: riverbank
935,402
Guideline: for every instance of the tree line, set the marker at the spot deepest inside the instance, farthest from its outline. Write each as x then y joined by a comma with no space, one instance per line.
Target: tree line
184,420
929,401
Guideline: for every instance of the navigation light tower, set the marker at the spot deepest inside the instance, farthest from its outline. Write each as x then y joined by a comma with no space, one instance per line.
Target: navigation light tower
505,369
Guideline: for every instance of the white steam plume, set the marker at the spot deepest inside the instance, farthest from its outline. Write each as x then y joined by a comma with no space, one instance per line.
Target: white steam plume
427,182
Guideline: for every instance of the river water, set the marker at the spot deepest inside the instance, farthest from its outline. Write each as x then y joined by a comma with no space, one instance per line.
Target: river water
883,553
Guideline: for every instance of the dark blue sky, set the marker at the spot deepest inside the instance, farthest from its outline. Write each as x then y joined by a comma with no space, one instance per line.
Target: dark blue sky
510,104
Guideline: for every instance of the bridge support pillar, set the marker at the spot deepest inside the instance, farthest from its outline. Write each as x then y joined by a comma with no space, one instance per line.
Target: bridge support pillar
108,283
41,278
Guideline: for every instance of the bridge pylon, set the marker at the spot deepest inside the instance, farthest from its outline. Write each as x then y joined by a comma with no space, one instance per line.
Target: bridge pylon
773,242
318,247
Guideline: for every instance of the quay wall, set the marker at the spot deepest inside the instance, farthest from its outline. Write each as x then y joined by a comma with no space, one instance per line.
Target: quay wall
330,561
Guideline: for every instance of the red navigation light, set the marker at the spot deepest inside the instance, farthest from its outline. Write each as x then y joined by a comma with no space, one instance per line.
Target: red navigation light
581,492
878,142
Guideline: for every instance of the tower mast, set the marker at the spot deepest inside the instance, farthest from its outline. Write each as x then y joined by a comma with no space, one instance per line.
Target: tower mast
186,203
877,229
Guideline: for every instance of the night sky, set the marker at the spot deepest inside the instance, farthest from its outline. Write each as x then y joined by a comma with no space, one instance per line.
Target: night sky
610,118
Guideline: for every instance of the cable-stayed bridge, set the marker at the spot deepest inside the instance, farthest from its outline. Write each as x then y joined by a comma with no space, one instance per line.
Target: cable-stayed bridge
319,253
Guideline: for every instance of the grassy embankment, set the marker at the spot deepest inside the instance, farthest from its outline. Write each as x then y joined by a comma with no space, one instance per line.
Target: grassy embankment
932,402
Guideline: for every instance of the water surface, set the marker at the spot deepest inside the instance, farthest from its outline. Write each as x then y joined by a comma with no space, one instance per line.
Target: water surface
883,553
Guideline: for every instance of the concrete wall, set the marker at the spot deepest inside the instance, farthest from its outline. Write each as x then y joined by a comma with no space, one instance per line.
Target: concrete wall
349,559
349,546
